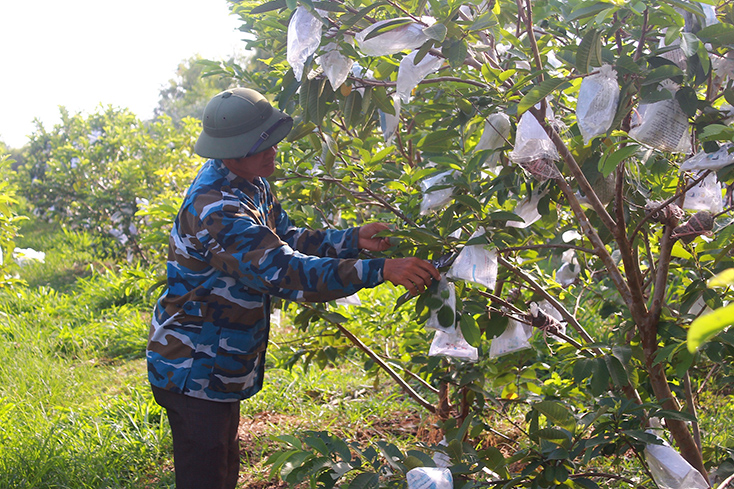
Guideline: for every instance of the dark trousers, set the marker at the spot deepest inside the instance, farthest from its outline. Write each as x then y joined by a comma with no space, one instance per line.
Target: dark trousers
205,440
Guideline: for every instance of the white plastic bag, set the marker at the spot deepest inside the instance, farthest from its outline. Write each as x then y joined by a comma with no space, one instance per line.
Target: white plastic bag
597,103
350,300
389,122
710,161
443,317
336,66
408,36
304,37
670,470
435,199
547,308
429,478
527,209
475,264
569,271
411,74
494,136
662,125
514,338
706,196
452,344
534,150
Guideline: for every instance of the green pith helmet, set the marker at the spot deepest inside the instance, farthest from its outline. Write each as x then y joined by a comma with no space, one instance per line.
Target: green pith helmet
240,122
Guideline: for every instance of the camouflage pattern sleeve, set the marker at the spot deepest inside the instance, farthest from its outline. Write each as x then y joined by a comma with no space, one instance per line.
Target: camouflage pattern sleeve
253,254
333,243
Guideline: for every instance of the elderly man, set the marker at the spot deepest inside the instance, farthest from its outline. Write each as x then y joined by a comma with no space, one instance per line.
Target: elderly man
232,247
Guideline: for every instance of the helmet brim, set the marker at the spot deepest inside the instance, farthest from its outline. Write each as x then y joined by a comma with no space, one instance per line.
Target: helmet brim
238,146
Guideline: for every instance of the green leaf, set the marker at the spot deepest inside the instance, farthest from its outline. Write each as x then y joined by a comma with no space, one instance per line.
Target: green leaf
616,371
353,108
586,10
718,34
470,329
388,26
268,6
716,132
554,435
723,279
588,53
365,480
583,369
455,51
329,6
688,100
439,141
661,73
689,44
707,326
446,316
611,159
436,31
540,91
556,413
383,100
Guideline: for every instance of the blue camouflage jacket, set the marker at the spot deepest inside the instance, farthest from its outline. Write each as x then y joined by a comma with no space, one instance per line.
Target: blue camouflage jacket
231,247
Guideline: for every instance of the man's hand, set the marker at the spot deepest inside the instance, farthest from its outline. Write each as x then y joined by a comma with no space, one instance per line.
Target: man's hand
367,240
414,274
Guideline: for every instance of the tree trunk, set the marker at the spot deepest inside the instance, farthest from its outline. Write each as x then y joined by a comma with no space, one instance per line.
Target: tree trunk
681,434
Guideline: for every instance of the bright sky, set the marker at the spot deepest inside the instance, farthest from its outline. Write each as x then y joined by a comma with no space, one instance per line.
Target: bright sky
83,53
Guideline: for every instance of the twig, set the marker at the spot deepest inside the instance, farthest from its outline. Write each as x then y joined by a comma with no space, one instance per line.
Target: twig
641,42
692,409
665,204
542,246
570,319
607,476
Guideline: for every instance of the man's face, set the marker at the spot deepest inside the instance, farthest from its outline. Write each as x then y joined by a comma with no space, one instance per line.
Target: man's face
261,164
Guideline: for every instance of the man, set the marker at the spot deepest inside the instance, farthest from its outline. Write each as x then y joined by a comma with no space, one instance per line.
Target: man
232,246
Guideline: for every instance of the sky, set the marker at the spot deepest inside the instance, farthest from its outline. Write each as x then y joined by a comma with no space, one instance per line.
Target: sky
81,54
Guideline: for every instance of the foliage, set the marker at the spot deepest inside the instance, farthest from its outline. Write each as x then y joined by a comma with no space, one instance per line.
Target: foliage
94,173
639,284
188,93
9,222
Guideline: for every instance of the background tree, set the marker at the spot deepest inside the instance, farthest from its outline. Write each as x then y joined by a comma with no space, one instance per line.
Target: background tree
188,92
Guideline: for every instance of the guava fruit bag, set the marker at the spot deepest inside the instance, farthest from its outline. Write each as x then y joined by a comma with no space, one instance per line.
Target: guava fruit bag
514,338
442,305
569,270
534,150
494,136
670,470
407,36
705,196
336,66
527,209
411,74
389,122
429,478
304,37
597,103
475,263
350,300
435,199
452,344
662,125
551,311
710,161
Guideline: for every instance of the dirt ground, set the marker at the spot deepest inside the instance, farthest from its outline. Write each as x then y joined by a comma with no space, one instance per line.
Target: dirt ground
256,446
